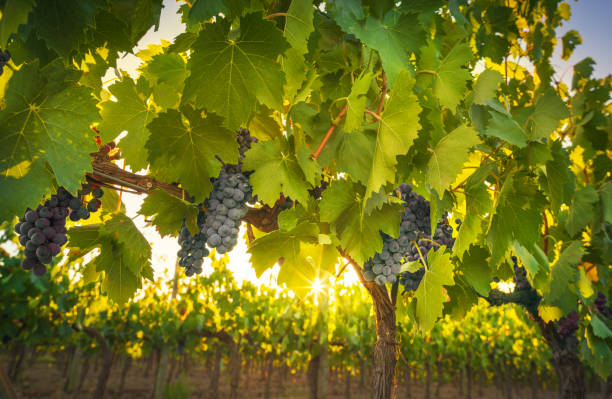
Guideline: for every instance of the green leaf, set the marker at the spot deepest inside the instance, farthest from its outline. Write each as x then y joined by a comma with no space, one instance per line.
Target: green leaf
398,128
230,76
358,232
167,213
486,86
533,258
569,41
478,202
605,193
501,125
356,102
558,176
564,271
45,117
295,72
543,118
296,271
600,328
517,217
14,13
132,112
183,149
476,269
581,210
275,172
62,23
123,230
298,25
448,156
23,186
430,294
451,78
119,282
167,68
394,38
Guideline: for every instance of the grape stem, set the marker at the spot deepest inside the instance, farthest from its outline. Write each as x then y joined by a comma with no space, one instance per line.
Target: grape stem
329,133
383,94
420,254
431,241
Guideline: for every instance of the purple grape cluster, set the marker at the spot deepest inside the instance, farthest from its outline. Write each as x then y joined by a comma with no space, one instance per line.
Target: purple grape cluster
43,231
415,227
193,248
226,207
568,324
5,56
600,304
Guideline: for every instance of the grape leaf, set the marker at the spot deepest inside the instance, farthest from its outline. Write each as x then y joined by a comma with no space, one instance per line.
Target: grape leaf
517,216
430,294
167,213
569,41
600,328
167,68
356,102
477,203
394,38
501,125
532,257
448,157
119,282
131,112
564,271
14,13
544,117
298,25
23,186
183,149
62,23
357,231
581,209
230,76
123,230
449,77
297,272
45,118
558,176
486,86
605,192
275,172
398,128
476,269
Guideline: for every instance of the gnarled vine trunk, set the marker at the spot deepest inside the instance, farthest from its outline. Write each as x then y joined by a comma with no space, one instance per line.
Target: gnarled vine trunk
568,366
384,357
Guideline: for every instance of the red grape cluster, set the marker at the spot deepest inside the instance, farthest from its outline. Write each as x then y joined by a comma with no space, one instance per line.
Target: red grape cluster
568,324
43,231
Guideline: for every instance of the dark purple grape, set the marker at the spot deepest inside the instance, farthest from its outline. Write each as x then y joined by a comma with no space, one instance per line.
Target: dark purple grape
45,212
42,252
31,246
38,238
94,205
28,263
54,248
31,216
25,227
23,240
83,213
97,192
74,216
42,223
17,228
75,204
49,232
33,231
60,239
39,269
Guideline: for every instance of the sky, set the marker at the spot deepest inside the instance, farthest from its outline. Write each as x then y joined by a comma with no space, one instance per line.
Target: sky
589,17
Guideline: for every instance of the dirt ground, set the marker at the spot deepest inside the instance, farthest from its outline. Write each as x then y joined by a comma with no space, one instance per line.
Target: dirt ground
44,379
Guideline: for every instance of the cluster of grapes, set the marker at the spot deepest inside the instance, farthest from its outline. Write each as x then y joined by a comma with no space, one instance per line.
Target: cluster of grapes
520,277
43,231
568,324
600,304
226,207
415,228
5,56
317,192
411,280
245,140
79,207
193,248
